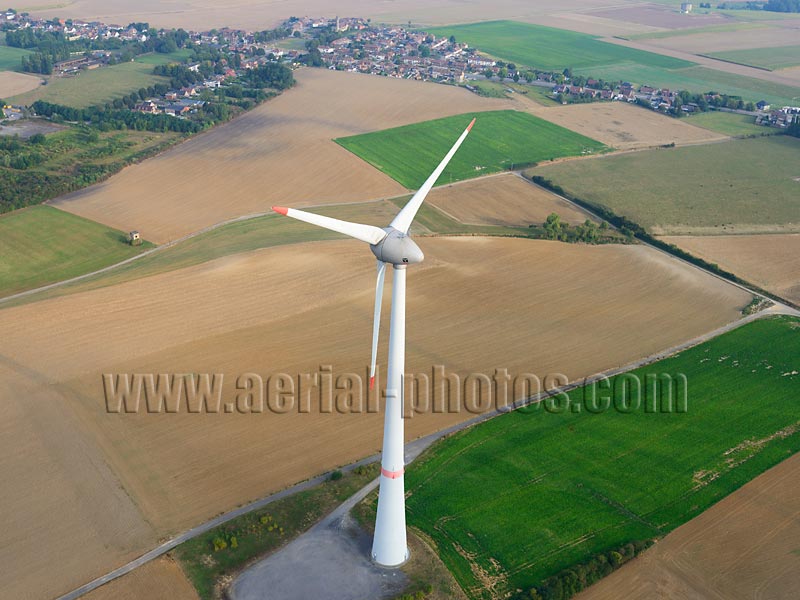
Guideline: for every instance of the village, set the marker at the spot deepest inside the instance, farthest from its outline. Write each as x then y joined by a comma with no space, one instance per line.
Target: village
354,44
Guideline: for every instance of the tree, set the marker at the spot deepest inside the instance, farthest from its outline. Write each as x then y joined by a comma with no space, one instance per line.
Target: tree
452,39
488,73
553,227
424,50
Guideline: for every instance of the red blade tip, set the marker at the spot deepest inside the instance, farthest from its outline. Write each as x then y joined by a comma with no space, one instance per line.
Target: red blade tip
281,210
471,123
371,382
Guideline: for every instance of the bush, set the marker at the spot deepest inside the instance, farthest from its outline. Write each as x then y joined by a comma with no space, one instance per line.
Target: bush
336,475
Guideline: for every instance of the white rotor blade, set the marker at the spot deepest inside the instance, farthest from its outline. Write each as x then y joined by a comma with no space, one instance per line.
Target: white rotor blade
404,218
376,321
365,233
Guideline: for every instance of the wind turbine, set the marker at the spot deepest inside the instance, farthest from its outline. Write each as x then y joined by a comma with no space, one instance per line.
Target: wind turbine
390,245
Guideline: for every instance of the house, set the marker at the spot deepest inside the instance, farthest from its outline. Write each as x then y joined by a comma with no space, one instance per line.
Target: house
686,7
763,105
148,106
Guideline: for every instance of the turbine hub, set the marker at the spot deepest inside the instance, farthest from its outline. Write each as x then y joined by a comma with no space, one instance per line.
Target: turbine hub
397,249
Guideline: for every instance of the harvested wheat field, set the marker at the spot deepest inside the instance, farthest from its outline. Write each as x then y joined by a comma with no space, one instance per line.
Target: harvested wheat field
160,579
571,309
279,153
744,547
12,83
261,14
769,261
623,126
502,200
65,518
762,35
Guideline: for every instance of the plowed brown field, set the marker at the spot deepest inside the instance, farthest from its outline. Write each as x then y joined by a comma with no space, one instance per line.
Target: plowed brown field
12,83
503,200
161,579
770,261
745,547
279,153
623,126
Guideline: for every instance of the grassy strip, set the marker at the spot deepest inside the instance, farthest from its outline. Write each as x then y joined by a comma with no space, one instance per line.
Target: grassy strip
41,244
215,556
519,498
500,140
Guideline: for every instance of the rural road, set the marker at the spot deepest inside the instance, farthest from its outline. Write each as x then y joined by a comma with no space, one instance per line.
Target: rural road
412,450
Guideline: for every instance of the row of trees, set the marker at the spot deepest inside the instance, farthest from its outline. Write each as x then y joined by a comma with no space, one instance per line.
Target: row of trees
783,6
577,578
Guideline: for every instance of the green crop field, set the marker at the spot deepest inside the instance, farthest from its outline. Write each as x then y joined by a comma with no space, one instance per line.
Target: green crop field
41,244
549,48
499,140
729,123
98,85
11,58
740,182
527,494
781,57
698,80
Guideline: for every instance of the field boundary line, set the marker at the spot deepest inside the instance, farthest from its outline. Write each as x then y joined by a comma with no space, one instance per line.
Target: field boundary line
413,449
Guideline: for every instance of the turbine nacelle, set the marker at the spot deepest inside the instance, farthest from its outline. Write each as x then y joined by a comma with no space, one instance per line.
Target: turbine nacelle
397,249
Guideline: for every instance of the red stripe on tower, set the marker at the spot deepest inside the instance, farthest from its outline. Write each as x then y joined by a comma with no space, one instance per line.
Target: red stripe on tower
392,474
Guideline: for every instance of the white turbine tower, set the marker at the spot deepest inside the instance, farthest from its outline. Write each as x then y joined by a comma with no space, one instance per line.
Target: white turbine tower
390,245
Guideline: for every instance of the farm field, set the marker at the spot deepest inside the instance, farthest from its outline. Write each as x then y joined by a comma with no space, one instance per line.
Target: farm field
549,511
754,35
732,124
551,49
11,58
769,261
742,547
161,579
698,189
623,126
498,141
240,313
41,244
253,14
655,15
502,200
12,84
262,158
774,58
97,86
